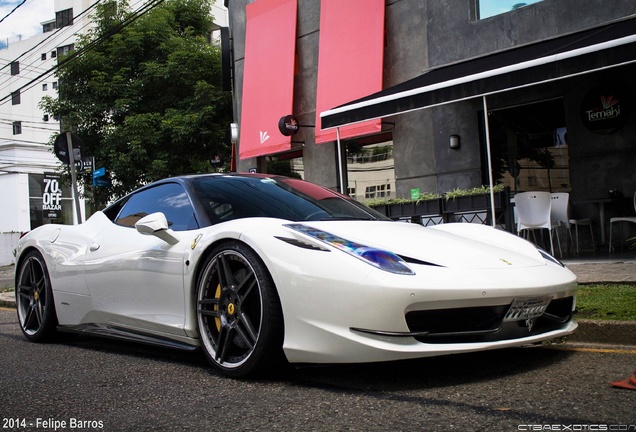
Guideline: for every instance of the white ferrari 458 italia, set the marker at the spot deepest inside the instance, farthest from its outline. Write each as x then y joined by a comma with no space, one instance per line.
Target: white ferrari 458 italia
261,270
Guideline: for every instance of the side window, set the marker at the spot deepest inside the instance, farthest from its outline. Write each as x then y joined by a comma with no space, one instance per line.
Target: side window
169,199
488,8
64,18
15,97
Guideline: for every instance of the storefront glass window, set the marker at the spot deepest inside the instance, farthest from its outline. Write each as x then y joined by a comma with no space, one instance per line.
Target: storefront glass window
530,147
488,8
50,200
370,171
370,168
287,166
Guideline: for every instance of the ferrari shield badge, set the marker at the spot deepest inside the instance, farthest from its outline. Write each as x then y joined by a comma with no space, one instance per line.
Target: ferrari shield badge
530,324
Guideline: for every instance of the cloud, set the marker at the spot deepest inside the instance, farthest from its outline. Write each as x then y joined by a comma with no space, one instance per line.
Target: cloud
26,20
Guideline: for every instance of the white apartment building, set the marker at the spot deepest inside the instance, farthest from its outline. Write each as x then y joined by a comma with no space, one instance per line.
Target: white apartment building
31,189
30,186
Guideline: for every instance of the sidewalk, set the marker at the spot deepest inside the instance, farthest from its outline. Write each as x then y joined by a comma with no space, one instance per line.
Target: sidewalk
605,332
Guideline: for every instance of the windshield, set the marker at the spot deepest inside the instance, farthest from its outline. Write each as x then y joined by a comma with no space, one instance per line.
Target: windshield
232,197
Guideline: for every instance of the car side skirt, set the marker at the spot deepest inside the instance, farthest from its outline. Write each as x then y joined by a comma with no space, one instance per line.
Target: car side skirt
119,333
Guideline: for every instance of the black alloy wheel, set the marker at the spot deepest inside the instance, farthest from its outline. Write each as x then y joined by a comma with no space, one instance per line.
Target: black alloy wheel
238,312
34,299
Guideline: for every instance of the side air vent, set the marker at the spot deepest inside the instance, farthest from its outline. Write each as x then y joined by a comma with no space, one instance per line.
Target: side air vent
419,262
301,244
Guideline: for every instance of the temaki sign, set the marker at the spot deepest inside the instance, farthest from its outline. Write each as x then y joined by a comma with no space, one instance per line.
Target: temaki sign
288,125
604,110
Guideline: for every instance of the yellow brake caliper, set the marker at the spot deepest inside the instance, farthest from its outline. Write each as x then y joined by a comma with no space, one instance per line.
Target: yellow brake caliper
217,320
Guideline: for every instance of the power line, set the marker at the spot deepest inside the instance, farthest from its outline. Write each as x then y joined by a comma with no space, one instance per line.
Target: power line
29,67
55,33
55,43
26,124
75,54
4,141
14,9
24,117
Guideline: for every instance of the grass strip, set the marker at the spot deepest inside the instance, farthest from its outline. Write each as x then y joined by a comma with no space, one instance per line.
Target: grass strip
606,302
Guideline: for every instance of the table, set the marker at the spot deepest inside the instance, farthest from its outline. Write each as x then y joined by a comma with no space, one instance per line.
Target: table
600,203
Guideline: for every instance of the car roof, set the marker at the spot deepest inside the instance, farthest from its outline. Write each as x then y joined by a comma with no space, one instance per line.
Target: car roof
186,180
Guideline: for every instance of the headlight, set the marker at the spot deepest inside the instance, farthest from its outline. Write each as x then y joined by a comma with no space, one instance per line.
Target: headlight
382,259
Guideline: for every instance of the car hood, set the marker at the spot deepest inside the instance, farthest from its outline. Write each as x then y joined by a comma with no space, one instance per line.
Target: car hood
461,245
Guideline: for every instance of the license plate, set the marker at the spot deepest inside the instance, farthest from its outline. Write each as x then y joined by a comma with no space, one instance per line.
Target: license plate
524,308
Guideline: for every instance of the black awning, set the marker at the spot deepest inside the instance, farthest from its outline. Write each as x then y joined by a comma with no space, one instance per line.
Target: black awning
583,52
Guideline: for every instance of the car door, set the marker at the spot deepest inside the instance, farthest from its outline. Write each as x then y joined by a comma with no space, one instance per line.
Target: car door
136,281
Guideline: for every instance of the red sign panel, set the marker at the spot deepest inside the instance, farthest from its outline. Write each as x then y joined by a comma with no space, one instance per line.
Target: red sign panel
268,77
349,60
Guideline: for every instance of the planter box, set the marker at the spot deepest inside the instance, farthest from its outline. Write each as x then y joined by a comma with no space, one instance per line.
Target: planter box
381,208
477,202
480,204
410,209
469,208
429,207
400,210
469,203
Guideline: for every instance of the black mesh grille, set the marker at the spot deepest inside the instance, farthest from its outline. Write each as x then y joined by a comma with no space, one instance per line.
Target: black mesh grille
484,324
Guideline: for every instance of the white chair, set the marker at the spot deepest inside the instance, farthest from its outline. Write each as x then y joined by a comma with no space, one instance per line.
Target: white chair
533,212
560,215
613,220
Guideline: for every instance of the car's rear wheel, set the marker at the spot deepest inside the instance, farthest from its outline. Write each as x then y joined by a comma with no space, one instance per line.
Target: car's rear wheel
238,312
34,299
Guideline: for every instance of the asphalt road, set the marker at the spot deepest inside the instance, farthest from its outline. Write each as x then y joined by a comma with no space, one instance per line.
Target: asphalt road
100,384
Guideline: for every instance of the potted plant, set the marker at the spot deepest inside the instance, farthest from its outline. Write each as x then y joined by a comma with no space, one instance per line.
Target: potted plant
470,204
459,200
427,204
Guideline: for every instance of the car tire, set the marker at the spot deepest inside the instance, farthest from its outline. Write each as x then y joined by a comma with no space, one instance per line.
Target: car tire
239,315
34,299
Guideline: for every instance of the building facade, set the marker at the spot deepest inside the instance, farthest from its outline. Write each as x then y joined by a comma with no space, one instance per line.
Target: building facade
33,191
31,185
542,136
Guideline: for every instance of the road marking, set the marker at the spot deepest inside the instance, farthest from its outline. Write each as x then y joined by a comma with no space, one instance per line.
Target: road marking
595,350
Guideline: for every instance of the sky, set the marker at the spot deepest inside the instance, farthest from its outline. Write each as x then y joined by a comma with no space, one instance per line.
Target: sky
488,8
26,19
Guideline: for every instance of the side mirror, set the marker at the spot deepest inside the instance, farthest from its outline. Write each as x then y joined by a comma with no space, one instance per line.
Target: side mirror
156,224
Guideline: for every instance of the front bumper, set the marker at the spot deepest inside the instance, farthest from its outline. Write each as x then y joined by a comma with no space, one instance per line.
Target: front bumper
381,317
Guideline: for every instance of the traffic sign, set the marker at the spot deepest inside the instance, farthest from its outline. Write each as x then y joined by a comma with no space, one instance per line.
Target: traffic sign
61,148
102,182
100,172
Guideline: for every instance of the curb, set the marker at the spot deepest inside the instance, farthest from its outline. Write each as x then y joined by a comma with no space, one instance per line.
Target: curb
605,332
7,299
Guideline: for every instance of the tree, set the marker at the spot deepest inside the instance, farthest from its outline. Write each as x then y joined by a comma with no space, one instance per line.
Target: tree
144,94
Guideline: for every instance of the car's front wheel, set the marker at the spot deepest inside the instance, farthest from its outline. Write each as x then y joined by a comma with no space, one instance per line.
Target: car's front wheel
34,299
238,312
